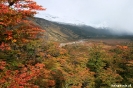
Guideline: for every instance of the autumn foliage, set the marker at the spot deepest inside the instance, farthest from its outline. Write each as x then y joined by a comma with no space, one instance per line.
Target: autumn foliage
14,26
28,61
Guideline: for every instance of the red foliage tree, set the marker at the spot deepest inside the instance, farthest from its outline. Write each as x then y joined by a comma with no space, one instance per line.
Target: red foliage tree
24,77
16,29
14,23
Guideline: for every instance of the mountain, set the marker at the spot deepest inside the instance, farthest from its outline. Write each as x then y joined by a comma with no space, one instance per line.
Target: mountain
63,32
62,19
55,31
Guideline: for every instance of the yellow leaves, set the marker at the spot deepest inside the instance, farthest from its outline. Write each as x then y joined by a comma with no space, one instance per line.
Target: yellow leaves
79,86
130,63
14,40
109,76
62,61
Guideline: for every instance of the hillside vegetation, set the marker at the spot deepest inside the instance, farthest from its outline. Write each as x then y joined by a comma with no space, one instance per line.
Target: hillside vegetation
62,32
42,64
29,59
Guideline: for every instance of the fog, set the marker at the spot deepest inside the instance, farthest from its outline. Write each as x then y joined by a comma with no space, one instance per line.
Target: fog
115,14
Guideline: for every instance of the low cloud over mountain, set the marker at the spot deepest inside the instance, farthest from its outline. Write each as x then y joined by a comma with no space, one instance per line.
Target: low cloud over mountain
63,32
115,14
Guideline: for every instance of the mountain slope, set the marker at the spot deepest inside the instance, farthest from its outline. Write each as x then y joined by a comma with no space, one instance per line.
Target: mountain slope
54,31
68,32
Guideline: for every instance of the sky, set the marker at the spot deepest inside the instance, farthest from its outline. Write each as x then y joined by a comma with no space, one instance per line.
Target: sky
116,14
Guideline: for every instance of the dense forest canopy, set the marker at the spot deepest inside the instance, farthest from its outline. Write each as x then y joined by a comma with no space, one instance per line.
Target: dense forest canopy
27,60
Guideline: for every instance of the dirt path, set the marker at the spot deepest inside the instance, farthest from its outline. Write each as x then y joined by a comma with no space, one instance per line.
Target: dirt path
74,42
106,41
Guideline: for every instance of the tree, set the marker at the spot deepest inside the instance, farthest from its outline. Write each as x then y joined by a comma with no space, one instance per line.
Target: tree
14,24
16,30
96,62
100,64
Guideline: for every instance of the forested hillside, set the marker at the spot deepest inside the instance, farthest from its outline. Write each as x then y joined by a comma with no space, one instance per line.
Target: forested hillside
63,32
29,60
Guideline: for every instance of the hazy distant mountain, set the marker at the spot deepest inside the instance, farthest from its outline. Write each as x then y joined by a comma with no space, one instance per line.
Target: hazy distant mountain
62,19
67,32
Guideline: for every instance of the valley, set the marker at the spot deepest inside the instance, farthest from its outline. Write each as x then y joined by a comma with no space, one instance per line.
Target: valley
111,42
67,56
38,53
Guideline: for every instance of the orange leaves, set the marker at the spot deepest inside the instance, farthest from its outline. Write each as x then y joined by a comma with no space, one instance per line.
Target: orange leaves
125,47
63,51
130,63
122,47
2,81
14,40
9,35
4,46
1,23
51,83
22,78
30,5
24,40
39,65
2,65
15,32
33,5
13,21
33,32
4,7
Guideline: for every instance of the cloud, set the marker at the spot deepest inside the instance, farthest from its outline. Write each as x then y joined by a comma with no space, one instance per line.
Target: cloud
118,14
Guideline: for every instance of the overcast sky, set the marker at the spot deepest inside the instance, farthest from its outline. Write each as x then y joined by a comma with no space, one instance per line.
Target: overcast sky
117,14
